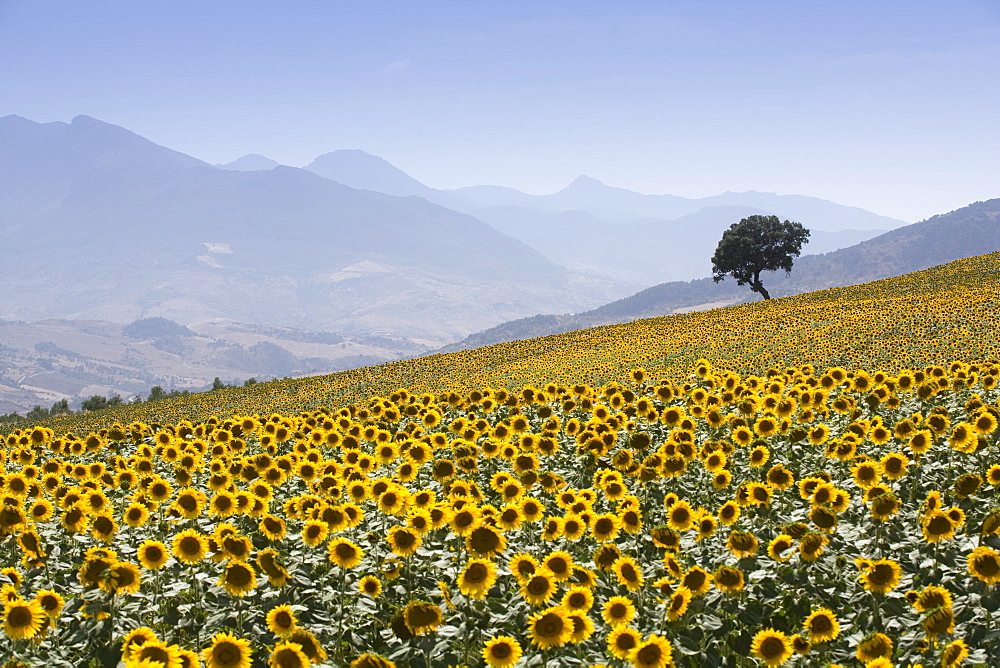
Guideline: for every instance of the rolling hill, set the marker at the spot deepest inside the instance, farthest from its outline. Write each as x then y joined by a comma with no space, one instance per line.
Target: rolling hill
966,232
929,317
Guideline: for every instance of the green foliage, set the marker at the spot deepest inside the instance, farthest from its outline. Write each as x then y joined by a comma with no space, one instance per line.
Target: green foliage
754,245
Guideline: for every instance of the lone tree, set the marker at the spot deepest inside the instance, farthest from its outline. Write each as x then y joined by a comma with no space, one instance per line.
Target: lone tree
756,244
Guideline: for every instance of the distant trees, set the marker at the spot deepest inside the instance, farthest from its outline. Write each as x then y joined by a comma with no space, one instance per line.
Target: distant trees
754,245
97,402
156,393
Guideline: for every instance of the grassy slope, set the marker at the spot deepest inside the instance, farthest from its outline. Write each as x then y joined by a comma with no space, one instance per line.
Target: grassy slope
932,316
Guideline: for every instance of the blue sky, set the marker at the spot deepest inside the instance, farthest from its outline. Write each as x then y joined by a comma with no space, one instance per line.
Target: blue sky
891,106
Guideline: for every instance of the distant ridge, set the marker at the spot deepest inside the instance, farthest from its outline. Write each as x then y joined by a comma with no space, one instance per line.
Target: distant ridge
966,232
250,163
364,171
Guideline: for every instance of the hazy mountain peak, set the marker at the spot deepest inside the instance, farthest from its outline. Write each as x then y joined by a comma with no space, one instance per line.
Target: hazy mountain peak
364,171
252,162
584,180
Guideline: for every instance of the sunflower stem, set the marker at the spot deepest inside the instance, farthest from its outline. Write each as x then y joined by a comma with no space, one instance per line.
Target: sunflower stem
340,625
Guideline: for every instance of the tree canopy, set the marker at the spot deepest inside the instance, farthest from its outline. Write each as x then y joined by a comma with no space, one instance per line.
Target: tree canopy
754,245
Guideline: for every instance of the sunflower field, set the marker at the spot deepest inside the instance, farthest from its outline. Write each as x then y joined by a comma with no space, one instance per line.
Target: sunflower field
800,514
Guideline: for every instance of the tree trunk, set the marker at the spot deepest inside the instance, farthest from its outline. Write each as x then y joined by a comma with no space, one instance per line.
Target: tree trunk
758,287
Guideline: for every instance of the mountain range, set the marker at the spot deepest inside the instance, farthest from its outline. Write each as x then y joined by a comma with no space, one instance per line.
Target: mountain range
101,223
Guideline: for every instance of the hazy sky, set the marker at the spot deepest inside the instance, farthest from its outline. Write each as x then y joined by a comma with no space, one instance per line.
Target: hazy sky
891,106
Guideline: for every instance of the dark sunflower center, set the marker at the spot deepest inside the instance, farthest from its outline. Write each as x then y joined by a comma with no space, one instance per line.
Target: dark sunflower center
772,648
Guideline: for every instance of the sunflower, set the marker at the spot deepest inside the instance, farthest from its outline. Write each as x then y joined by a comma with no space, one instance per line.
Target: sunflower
190,547
629,573
287,655
157,653
824,519
802,645
466,520
272,527
885,506
618,611
276,574
866,473
501,652
539,588
135,639
422,617
984,564
728,579
937,526
822,626
993,475
583,626
550,628
963,438
485,541
189,503
678,603
532,509
605,527
954,653
894,465
403,541
369,660
967,484
122,578
314,532
759,456
779,547
75,519
393,500
522,566
94,566
574,526
477,578
22,620
921,441
742,544
370,586
227,651
344,553
281,620
932,597
680,516
578,598
310,646
236,548
812,546
938,622
772,647
560,564
729,513
239,578
881,576
654,652
50,601
135,515
622,641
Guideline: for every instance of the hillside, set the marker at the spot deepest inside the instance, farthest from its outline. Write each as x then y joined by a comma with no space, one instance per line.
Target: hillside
928,317
103,224
966,232
47,361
